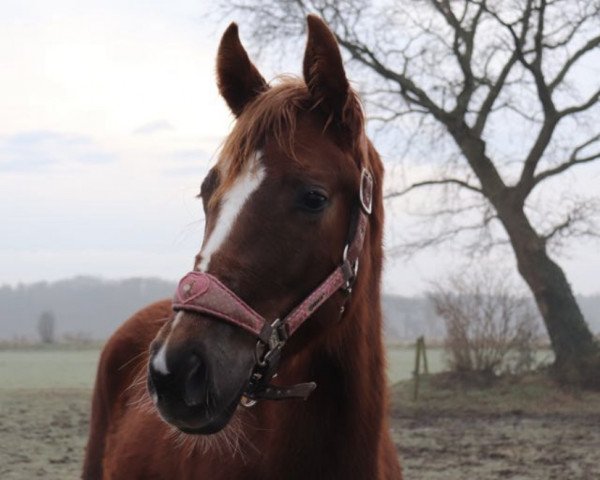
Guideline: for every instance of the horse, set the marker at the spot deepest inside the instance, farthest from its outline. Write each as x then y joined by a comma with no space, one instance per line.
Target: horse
269,361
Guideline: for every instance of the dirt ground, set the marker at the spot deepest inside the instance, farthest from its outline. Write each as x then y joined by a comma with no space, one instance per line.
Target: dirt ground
506,446
42,433
520,430
448,434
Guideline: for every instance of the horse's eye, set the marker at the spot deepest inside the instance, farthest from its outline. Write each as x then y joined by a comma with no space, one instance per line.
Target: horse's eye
313,201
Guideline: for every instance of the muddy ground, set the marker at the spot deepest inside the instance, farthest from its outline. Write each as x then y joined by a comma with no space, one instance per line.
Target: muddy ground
42,433
537,433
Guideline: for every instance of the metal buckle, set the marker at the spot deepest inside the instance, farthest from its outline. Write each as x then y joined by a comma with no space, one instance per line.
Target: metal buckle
259,353
347,287
278,336
366,191
276,342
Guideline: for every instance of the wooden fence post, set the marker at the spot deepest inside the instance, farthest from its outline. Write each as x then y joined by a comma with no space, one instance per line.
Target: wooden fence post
425,363
420,351
417,372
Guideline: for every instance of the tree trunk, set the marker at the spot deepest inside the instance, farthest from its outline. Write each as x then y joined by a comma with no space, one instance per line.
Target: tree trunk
577,352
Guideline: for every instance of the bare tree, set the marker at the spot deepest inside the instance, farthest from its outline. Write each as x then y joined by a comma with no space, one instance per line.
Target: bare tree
47,327
492,86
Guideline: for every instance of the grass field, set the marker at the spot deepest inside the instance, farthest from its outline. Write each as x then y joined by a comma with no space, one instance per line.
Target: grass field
48,368
75,368
526,429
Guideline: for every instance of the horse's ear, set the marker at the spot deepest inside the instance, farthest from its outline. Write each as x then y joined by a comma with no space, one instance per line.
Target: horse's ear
326,79
238,79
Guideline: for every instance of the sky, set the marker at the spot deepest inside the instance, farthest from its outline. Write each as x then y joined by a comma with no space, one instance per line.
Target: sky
110,119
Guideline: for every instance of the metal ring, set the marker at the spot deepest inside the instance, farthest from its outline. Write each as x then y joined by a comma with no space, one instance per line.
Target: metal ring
247,402
260,358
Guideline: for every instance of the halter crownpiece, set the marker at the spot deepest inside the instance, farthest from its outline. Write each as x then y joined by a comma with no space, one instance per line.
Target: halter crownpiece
203,293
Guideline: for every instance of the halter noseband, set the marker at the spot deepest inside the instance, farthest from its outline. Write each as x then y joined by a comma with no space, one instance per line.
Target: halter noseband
203,293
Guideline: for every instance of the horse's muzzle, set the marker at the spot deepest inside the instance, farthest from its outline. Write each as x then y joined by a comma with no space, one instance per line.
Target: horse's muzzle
196,383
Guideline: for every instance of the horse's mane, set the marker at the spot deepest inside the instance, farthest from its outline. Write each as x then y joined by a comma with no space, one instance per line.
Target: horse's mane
271,115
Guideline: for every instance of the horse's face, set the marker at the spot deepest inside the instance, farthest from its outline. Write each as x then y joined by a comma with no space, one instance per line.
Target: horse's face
277,210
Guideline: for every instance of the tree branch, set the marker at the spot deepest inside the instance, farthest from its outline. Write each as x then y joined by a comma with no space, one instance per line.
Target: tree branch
427,183
573,160
589,103
498,85
558,228
577,222
551,117
490,99
587,47
409,90
463,37
526,182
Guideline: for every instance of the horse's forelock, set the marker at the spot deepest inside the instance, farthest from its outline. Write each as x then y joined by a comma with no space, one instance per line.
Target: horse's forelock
273,115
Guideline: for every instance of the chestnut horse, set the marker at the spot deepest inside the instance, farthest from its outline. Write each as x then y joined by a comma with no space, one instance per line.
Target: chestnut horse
294,221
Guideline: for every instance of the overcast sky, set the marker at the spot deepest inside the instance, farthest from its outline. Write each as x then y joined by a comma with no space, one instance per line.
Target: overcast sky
110,118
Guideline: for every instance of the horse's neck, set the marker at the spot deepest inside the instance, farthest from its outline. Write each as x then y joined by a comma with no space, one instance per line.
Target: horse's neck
337,432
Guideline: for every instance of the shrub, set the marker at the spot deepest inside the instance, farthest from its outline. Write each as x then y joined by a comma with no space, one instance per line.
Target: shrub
489,328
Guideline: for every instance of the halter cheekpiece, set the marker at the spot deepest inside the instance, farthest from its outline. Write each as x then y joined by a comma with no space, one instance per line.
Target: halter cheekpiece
203,293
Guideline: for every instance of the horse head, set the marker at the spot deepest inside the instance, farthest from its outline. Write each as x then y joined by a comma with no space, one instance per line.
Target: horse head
280,207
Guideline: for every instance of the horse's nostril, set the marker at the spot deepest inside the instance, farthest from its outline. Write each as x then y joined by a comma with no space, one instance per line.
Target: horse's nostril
150,383
195,385
185,381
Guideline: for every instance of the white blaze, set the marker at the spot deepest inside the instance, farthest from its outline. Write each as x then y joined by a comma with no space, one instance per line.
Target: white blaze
231,205
159,362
